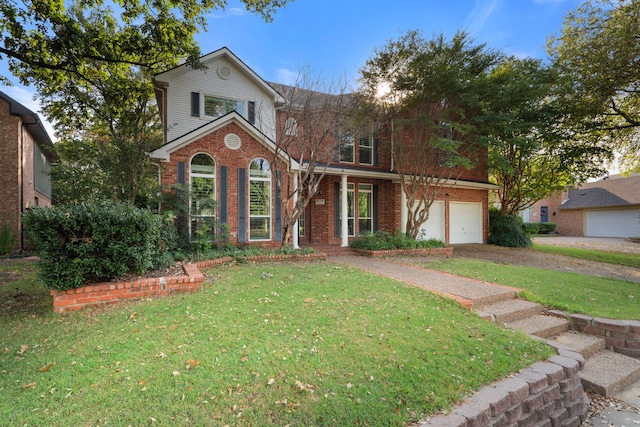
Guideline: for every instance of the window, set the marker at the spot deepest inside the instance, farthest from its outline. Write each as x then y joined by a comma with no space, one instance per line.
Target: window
345,138
365,208
202,195
291,127
351,189
365,150
302,220
260,200
41,172
216,107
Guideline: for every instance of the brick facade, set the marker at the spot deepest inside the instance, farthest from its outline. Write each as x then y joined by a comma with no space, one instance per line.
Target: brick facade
17,174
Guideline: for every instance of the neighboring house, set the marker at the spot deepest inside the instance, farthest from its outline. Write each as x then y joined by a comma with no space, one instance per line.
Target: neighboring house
219,132
609,207
26,154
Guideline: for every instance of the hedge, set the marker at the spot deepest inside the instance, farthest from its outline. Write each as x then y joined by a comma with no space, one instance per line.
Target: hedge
96,241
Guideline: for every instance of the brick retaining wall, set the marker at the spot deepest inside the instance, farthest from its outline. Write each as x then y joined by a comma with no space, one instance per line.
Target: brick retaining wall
621,336
547,394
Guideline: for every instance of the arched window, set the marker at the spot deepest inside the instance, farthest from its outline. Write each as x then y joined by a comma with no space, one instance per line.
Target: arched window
202,193
260,200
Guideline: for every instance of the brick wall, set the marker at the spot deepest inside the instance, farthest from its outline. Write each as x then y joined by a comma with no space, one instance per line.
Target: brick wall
568,222
10,167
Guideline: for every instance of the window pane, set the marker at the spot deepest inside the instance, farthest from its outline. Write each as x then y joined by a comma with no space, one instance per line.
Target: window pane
259,228
260,168
216,107
259,198
365,151
346,145
202,196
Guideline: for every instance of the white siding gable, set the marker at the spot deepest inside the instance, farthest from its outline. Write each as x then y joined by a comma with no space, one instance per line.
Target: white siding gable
231,83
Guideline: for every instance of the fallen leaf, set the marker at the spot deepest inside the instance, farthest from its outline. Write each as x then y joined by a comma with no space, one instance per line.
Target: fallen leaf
271,381
22,350
192,364
244,359
176,373
28,385
304,387
46,368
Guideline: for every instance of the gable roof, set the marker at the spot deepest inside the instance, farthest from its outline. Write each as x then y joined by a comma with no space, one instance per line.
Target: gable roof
163,79
165,151
615,191
31,121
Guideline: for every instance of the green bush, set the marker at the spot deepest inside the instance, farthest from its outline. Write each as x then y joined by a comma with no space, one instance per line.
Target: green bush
507,230
531,227
383,240
8,239
547,227
96,241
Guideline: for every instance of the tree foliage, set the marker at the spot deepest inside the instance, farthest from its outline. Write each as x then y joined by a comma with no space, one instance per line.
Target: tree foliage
91,63
431,91
530,153
597,56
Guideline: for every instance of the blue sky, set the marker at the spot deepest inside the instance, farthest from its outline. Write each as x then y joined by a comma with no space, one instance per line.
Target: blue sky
334,38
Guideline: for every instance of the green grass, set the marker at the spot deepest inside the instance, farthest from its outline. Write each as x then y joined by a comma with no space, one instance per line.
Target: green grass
574,293
298,344
618,258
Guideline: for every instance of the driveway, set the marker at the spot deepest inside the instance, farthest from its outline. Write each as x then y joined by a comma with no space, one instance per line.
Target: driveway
598,243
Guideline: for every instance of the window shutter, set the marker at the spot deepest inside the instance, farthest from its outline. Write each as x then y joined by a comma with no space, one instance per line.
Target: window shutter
375,208
195,104
375,149
242,205
223,203
278,209
336,204
252,112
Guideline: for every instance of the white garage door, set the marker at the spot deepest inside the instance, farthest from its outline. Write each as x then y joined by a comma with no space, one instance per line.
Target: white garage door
465,222
434,227
613,223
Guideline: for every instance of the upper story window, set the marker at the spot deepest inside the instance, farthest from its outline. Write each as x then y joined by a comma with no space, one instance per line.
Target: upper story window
346,141
365,150
216,107
291,127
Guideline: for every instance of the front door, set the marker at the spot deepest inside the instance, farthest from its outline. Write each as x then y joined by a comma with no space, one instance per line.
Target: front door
544,214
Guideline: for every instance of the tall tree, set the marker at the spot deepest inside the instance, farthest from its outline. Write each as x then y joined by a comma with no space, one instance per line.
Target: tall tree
598,56
314,109
92,62
431,92
530,155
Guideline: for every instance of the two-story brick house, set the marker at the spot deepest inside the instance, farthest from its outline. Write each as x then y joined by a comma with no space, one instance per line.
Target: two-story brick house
26,155
220,132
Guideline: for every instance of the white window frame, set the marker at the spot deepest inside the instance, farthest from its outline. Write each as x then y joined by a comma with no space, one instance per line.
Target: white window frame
204,114
266,179
196,216
291,127
346,139
365,189
369,139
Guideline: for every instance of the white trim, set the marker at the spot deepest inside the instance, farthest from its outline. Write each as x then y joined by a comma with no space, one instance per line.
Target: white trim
163,153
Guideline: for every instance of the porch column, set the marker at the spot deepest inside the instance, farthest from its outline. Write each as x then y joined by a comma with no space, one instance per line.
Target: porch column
344,211
403,210
294,232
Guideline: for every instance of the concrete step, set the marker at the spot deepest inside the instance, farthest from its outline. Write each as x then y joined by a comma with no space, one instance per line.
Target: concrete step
586,345
511,309
607,373
540,326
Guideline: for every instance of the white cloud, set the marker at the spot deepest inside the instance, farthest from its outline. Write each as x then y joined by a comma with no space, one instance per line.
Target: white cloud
286,76
232,11
481,12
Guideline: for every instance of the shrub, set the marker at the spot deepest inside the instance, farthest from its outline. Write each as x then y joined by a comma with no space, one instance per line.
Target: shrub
8,239
547,227
507,230
95,241
383,240
531,227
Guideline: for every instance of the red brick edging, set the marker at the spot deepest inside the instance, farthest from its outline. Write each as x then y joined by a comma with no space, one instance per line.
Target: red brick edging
448,252
112,292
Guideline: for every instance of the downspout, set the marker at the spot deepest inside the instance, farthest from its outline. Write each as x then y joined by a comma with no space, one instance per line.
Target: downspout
392,146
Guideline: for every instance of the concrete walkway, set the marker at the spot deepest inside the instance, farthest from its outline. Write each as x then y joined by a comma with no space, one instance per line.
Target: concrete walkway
473,293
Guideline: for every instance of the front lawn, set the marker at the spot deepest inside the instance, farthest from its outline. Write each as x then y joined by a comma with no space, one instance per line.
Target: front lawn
618,258
571,292
298,344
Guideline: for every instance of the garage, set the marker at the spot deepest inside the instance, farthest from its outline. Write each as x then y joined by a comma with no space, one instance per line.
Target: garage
465,222
433,228
612,223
